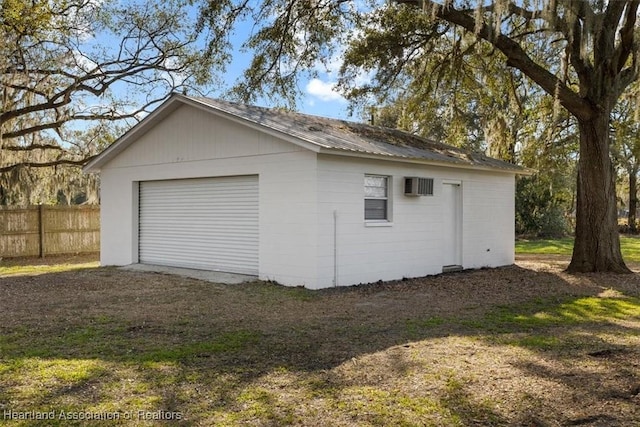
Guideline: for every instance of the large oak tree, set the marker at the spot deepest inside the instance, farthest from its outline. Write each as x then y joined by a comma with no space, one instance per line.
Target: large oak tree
74,73
598,60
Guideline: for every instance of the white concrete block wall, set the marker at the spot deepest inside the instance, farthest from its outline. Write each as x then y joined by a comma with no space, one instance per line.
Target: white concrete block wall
369,252
288,226
118,224
410,245
489,220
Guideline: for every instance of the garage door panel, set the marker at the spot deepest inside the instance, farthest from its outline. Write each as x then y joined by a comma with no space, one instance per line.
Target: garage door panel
208,223
205,234
190,258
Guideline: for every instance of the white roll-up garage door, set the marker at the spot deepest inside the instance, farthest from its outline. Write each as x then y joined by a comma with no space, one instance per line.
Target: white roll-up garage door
205,223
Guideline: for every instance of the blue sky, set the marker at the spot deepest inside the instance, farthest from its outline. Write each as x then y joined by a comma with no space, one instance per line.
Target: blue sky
318,97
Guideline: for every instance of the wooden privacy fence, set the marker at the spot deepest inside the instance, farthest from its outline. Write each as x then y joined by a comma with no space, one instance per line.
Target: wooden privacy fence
49,230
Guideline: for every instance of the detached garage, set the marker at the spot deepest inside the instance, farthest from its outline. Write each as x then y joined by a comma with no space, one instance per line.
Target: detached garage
302,200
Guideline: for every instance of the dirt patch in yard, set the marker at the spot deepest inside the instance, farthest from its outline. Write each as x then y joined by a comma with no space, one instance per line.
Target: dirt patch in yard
521,345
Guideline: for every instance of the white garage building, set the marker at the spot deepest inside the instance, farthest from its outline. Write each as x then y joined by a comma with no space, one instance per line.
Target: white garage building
298,199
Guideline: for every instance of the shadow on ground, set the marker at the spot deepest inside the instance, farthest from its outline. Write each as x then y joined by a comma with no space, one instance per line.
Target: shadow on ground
510,346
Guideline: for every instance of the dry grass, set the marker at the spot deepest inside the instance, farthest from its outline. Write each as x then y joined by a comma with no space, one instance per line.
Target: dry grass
523,345
21,266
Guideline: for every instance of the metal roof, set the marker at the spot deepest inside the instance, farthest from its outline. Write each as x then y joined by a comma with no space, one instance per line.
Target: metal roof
345,136
320,134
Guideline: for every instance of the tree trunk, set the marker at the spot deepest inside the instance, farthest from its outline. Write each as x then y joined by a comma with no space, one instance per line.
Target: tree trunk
597,241
633,200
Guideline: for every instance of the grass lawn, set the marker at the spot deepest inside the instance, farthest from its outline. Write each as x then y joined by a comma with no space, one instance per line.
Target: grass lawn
630,247
520,345
50,264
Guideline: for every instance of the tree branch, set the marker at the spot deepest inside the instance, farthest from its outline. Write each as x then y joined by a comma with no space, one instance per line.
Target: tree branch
581,65
58,162
626,34
32,147
111,116
604,38
518,58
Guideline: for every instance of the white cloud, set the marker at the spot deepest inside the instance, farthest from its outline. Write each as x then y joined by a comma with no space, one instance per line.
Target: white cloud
83,62
174,78
325,91
331,65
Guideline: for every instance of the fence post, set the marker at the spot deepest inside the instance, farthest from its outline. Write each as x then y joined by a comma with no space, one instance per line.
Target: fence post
41,229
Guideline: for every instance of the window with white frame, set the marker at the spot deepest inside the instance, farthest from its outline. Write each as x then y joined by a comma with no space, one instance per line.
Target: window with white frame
376,203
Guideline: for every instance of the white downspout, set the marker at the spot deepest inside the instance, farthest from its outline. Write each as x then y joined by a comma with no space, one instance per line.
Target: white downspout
335,247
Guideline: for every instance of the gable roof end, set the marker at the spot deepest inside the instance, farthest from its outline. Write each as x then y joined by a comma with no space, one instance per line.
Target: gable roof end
133,134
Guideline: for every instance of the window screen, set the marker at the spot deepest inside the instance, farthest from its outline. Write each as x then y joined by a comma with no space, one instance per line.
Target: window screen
376,197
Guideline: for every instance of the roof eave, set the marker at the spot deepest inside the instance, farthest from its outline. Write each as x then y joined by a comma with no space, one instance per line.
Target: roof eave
416,160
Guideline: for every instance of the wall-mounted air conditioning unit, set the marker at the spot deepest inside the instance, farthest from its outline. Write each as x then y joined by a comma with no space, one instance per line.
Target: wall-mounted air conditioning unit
415,186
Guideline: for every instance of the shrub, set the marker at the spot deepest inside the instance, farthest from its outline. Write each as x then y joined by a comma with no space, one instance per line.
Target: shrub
538,211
